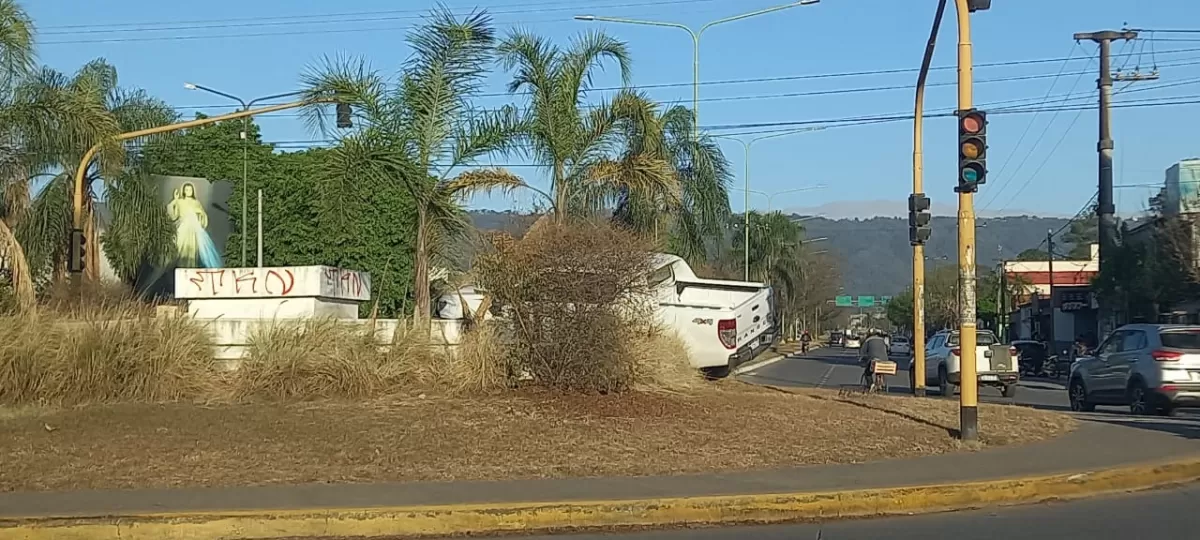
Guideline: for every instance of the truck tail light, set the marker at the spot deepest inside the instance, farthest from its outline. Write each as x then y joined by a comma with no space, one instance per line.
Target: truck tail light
1012,352
1166,356
956,351
727,332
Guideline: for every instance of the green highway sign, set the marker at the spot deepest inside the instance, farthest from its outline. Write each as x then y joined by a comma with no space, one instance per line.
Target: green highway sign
843,301
885,299
866,301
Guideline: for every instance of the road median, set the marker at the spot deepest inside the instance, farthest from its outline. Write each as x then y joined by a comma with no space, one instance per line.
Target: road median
420,521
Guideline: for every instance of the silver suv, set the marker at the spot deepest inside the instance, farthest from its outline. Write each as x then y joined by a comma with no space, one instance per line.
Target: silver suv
1152,368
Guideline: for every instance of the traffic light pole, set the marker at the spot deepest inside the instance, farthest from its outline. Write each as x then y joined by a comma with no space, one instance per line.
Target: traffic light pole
918,181
969,388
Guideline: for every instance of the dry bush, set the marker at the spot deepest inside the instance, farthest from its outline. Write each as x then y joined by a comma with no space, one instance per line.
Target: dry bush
116,354
661,362
479,364
328,359
311,359
574,294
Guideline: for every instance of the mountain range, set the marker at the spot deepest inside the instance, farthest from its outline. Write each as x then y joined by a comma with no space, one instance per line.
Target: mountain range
873,254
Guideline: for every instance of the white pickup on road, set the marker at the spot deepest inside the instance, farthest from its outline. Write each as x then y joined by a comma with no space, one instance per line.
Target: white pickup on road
723,323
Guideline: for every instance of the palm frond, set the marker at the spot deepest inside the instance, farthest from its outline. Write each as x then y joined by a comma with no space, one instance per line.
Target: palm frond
588,52
16,42
489,180
487,132
447,67
348,80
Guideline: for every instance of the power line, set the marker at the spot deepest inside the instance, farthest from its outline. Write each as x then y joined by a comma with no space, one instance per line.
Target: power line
1028,126
327,18
1179,63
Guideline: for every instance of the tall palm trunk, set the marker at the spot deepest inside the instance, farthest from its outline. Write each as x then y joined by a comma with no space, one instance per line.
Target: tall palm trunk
22,280
421,309
560,194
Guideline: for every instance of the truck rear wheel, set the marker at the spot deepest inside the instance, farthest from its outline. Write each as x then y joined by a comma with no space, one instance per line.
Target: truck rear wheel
1009,390
944,382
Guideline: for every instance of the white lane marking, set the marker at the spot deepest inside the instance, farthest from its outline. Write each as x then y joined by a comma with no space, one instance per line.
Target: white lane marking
825,377
758,365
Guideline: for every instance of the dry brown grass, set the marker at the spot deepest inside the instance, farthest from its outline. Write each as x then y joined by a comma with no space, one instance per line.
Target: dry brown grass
114,354
525,434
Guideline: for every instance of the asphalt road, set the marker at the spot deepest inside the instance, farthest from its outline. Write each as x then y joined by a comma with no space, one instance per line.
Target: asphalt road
834,367
1158,514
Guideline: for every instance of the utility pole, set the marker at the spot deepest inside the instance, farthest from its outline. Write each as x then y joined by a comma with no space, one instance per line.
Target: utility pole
919,208
1105,208
1052,347
968,383
1000,311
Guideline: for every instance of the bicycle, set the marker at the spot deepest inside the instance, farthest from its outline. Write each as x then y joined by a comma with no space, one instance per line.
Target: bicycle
874,377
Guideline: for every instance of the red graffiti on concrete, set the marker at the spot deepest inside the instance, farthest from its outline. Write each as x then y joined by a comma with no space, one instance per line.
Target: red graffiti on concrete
286,281
247,276
199,277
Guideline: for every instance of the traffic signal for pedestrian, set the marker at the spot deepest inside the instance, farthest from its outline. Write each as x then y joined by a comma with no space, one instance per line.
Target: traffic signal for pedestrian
918,219
972,150
77,252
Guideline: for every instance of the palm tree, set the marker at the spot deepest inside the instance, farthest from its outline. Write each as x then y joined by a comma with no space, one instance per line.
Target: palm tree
777,258
697,216
595,157
420,130
16,59
94,109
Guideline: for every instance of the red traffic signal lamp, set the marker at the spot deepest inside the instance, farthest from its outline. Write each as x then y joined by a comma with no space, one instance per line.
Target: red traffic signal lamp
972,150
918,219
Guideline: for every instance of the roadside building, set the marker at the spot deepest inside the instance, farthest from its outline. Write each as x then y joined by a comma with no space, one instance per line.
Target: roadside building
1073,302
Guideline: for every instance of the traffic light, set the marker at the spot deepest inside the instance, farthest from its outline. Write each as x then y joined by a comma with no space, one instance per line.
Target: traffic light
978,5
972,150
343,116
918,219
77,251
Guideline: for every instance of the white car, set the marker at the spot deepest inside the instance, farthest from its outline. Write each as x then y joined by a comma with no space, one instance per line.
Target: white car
900,347
851,342
995,364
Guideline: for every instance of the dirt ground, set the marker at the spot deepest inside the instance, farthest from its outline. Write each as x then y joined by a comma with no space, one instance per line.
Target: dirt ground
726,427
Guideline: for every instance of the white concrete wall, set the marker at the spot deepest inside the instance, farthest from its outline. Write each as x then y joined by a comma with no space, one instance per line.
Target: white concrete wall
231,337
272,308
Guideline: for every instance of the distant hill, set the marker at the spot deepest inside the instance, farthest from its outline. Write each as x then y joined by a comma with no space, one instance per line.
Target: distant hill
873,253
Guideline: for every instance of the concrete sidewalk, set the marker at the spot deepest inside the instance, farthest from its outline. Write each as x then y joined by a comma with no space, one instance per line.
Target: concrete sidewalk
1102,443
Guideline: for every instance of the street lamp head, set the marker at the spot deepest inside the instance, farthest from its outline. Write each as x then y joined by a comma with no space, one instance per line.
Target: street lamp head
808,2
585,17
189,86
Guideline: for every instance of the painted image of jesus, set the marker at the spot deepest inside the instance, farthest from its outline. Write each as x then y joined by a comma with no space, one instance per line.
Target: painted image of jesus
194,246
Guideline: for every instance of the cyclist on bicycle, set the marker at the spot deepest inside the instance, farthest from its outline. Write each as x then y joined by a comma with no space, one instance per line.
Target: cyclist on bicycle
805,339
873,348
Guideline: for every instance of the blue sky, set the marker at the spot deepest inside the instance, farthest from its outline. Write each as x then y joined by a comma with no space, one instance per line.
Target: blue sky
259,47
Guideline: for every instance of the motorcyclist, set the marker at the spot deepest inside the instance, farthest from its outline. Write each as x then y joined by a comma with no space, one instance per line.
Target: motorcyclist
805,339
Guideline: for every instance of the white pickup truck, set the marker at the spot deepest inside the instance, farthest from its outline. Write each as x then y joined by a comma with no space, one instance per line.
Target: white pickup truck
995,363
723,323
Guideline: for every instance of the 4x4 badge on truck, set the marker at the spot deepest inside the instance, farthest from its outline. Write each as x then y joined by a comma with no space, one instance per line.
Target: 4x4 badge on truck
699,320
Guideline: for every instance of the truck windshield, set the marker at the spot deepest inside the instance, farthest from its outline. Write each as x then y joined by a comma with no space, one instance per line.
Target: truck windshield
981,339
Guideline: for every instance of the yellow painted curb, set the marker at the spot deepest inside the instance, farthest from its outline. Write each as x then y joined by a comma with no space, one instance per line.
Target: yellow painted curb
503,517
